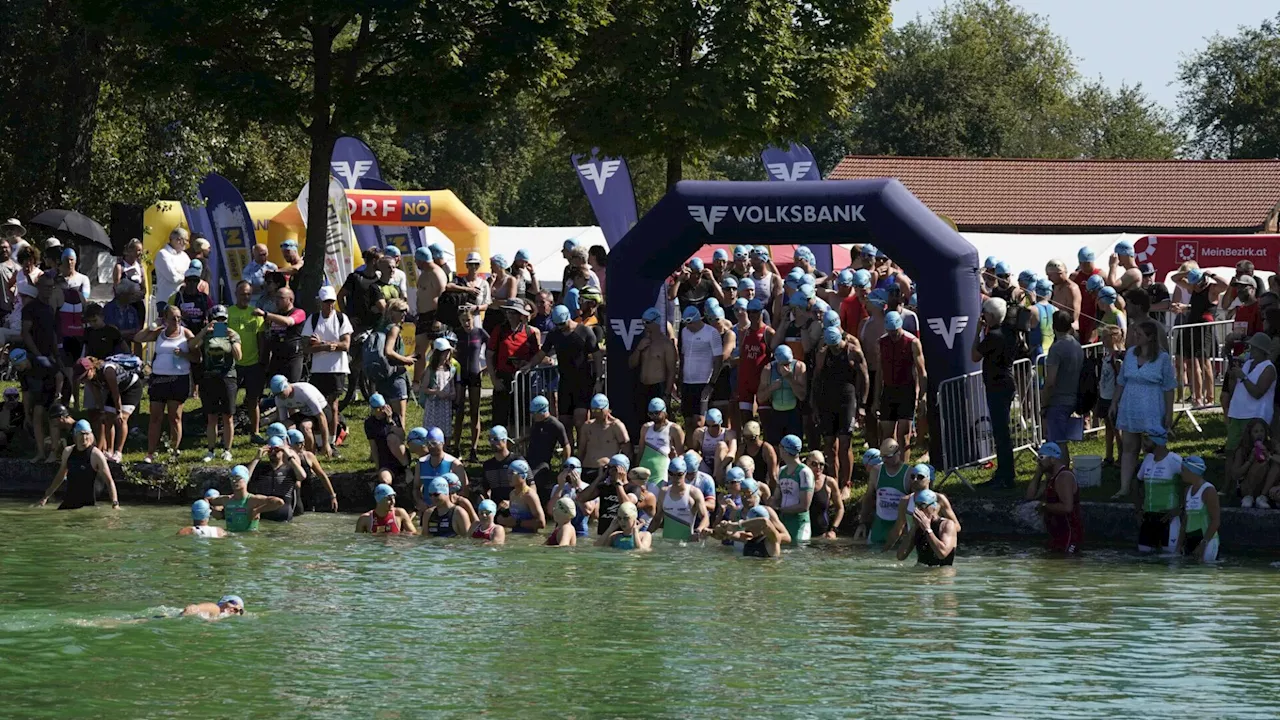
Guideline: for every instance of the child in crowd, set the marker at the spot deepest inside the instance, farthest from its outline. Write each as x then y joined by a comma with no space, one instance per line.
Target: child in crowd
1112,359
472,342
1254,466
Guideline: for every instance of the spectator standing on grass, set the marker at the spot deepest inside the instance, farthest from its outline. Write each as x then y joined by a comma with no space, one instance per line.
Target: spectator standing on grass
512,344
1199,343
328,336
170,379
199,250
1058,398
1143,403
171,263
194,305
439,386
284,336
74,288
994,348
1252,382
302,406
256,270
220,350
129,268
40,338
472,343
126,311
249,324
394,386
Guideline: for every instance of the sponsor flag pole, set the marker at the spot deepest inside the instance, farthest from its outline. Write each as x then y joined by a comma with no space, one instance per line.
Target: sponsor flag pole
796,164
607,183
232,227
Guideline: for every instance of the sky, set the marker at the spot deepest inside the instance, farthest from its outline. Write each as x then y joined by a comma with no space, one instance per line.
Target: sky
1131,41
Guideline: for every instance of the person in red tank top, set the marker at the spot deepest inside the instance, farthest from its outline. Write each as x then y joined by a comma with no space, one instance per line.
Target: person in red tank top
853,309
753,354
385,518
1061,504
1246,317
901,382
1088,300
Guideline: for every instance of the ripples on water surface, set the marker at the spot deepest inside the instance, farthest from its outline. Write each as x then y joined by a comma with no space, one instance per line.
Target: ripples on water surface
345,626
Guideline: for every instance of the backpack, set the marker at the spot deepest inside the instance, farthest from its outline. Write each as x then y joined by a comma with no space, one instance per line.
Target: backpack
315,320
219,359
1087,391
1016,322
449,304
373,356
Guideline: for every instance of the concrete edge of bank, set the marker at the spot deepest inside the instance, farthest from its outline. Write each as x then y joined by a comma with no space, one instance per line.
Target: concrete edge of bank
982,518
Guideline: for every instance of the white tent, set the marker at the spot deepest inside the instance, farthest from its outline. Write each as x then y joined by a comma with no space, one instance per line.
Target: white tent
542,243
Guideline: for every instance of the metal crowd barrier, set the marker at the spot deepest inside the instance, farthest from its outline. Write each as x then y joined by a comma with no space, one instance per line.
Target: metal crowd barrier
967,437
527,384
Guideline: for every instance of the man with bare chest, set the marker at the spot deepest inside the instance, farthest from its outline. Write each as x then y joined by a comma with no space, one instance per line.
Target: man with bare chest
430,286
872,329
603,435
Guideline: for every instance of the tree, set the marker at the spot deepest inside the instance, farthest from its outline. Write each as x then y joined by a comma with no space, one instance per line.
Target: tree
334,66
689,80
1230,103
984,78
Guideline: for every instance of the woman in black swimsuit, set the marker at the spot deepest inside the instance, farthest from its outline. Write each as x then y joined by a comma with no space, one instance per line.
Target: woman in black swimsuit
82,466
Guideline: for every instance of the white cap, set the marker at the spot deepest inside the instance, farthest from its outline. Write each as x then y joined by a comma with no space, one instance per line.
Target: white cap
327,293
52,242
473,257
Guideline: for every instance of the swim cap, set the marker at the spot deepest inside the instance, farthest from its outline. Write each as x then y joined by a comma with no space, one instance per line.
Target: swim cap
455,483
17,355
573,462
691,460
438,486
275,442
872,457
751,429
893,320
486,507
1085,255
734,474
81,427
878,297
559,315
845,278
296,437
1002,268
755,305
233,600
1051,450
621,461
783,354
520,468
791,445
677,465
821,307
719,254
1158,438
869,250
803,252
759,511
1025,278
600,401
729,282
926,497
740,303
1124,248
695,264
211,493
741,251
498,432
569,244
435,435
499,261
627,510
382,492
830,319
565,506
239,472
200,510
715,313
861,278
1044,288
715,417
1107,295
417,436
690,314
657,405
651,315
376,401
276,429
1194,464
278,384
1094,283
422,254
990,262
746,284
522,254
750,486
539,404
832,336
923,469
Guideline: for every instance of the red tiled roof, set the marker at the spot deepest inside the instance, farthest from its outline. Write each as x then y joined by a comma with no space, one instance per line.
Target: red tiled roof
1111,195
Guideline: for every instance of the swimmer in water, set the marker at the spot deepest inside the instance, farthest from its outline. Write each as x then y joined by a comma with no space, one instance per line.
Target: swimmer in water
445,518
623,532
455,492
485,528
564,534
760,534
240,508
200,527
385,518
83,466
933,537
228,605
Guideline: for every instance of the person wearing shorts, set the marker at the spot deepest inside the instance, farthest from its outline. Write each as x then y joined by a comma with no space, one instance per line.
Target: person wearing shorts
328,339
304,405
220,348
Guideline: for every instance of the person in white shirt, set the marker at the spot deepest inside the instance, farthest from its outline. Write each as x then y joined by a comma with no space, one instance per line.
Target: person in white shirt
171,266
329,338
701,352
11,232
301,405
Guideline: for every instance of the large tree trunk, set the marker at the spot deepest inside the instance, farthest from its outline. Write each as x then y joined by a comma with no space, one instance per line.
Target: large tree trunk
82,50
321,132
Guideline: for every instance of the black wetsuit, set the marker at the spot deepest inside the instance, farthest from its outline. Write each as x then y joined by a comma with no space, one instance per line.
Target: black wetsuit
275,482
924,551
819,523
755,548
80,480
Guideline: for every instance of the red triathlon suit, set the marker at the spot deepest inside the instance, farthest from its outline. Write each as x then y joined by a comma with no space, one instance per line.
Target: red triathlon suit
387,524
852,313
1088,305
753,354
897,366
1065,531
479,534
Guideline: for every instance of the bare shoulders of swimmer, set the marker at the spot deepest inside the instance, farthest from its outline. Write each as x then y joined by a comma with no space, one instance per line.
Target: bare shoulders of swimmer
206,610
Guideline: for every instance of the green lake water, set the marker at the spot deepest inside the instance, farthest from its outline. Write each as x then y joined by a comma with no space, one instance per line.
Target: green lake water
346,626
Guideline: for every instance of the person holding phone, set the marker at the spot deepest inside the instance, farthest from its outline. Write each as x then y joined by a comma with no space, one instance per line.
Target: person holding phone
220,350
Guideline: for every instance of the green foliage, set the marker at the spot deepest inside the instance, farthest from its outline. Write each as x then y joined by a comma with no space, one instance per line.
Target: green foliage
1230,103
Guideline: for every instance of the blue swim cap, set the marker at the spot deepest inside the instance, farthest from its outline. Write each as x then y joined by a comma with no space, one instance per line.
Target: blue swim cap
276,429
521,468
795,274
762,251
1158,438
81,427
455,483
17,355
734,474
1051,450
695,264
872,457
499,261
1025,278
1095,283
791,445
200,510
600,401
740,304
832,336
296,437
861,278
690,314
422,254
990,262
869,250
759,511
1085,255
715,417
729,282
657,405
278,384
1044,288
275,442
783,354
1107,295
893,320
741,251
651,315
1194,463
621,461
691,460
233,600
831,319
435,435
677,465
522,254
417,436
926,497
569,244
803,252
878,297
382,492
498,432
1194,276
820,306
559,315
750,486
486,507
1124,248
438,252
715,313
539,404
923,469
391,251
710,303
376,401
746,284
845,278
720,254
755,305
211,493
239,472
438,486
1002,268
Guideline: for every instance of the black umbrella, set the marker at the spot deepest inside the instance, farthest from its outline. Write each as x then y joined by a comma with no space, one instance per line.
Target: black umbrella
79,227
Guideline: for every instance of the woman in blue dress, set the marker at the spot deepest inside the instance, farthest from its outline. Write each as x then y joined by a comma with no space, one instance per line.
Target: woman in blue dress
1143,401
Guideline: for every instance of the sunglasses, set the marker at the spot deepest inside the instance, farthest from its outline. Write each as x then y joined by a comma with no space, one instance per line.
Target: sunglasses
918,476
485,513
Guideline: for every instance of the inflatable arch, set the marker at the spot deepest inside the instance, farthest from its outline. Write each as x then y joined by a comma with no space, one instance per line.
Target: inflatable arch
694,213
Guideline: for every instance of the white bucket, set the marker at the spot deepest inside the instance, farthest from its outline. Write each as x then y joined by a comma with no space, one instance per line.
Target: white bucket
1088,469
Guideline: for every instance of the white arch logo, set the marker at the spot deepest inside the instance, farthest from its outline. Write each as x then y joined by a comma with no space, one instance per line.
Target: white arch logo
1150,250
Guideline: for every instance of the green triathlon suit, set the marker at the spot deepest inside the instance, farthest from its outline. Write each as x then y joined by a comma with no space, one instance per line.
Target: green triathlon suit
890,490
1198,523
657,452
678,515
1162,485
237,514
791,485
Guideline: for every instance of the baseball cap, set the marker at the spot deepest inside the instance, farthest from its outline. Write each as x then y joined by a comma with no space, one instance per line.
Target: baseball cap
81,427
278,384
498,432
714,417
441,344
58,410
651,315
275,442
219,312
391,251
791,444
422,255
560,314
872,457
200,510
376,401
1124,247
832,336
473,258
382,492
734,474
719,254
521,468
296,437
926,497
438,486
327,294
1194,463
1085,255
1095,283
539,404
417,436
52,242
619,460
599,401
892,320
783,354
1051,450
487,507
239,472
